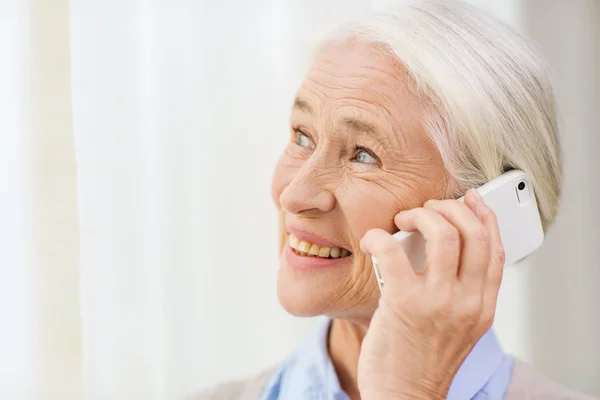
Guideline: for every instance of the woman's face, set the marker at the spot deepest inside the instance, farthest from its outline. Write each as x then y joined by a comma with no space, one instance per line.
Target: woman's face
357,155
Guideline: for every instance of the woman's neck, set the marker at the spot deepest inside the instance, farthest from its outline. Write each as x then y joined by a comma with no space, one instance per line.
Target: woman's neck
345,339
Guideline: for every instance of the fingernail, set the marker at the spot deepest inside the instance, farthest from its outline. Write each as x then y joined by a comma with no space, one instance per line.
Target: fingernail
430,202
479,208
478,196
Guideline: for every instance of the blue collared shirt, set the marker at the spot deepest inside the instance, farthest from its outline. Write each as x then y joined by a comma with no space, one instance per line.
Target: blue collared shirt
309,373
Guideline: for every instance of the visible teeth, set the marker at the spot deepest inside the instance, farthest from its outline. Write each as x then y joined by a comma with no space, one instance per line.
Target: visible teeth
308,249
324,252
304,247
293,242
335,252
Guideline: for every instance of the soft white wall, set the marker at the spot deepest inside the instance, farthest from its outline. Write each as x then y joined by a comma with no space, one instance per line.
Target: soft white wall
564,293
17,351
39,286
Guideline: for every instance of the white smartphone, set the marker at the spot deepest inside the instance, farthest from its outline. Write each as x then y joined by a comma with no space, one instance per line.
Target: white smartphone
511,197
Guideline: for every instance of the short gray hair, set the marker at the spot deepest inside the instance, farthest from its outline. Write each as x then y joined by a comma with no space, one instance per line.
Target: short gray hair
488,87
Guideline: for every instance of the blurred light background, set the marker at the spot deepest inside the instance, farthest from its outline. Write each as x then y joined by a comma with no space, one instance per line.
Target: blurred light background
137,236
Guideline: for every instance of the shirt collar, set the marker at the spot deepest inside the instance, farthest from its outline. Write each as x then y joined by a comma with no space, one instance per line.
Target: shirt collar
311,372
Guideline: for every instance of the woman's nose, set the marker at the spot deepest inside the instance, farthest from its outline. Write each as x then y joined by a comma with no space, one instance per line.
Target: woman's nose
303,196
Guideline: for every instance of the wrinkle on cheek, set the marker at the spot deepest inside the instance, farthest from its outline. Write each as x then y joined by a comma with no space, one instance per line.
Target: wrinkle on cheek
294,155
395,193
364,279
359,288
423,177
425,167
404,192
382,195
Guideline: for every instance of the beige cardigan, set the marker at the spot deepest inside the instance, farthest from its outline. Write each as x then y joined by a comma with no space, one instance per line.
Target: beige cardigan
524,384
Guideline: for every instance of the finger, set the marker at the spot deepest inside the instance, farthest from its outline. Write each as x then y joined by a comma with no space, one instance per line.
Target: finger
392,262
471,199
475,253
443,241
497,260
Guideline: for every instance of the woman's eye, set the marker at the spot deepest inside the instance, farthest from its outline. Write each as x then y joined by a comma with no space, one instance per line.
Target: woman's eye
304,141
363,156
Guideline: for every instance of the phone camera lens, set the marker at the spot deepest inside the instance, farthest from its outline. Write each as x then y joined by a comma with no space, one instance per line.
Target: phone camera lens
521,185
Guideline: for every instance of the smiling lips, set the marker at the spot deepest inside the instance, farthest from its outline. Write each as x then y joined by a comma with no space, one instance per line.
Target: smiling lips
307,249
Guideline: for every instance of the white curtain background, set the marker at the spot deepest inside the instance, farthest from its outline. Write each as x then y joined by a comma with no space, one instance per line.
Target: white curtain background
40,324
137,236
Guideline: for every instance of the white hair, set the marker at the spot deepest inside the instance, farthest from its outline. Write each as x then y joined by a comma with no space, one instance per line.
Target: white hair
488,89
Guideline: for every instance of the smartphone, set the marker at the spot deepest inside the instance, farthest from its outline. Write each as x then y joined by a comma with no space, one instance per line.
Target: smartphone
512,198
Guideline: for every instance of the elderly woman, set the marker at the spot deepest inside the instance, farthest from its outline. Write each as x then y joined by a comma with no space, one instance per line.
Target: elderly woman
410,105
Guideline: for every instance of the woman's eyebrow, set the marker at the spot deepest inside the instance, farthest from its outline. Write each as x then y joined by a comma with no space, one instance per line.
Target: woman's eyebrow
302,105
359,126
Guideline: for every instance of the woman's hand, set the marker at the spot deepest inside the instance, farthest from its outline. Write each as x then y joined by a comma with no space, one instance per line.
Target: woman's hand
427,323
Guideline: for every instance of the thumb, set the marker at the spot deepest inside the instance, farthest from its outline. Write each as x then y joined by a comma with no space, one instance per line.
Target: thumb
393,264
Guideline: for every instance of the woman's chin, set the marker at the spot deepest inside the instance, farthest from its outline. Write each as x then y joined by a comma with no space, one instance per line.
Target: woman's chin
296,307
307,293
300,299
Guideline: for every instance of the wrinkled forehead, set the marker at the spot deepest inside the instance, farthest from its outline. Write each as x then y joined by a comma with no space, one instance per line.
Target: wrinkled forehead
355,77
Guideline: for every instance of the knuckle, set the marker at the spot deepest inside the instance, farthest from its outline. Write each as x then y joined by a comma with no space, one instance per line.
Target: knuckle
453,203
479,234
448,202
448,234
449,206
469,310
500,255
492,216
420,213
487,320
441,306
